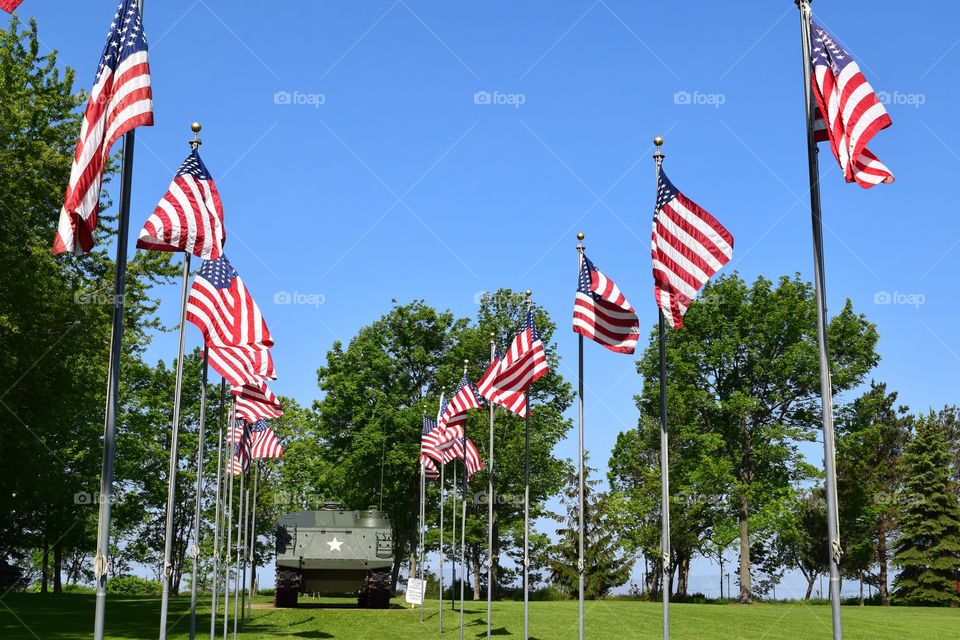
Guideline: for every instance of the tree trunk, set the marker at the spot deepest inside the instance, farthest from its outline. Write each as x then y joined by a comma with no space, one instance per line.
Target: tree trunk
400,547
746,588
683,574
57,567
882,559
656,579
861,588
810,582
721,576
476,573
45,572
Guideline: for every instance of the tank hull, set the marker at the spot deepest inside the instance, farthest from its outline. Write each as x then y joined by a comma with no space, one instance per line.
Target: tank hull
334,552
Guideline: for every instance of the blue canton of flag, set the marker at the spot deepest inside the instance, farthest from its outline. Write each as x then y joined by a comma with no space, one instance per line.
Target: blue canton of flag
125,38
220,273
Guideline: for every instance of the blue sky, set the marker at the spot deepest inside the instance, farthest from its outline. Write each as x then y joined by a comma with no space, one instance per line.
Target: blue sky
358,163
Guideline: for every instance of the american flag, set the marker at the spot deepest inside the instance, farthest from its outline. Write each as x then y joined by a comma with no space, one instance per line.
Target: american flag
463,400
428,448
485,383
454,441
221,306
854,112
121,100
524,363
245,364
265,443
240,438
448,448
256,401
688,247
601,312
9,5
189,216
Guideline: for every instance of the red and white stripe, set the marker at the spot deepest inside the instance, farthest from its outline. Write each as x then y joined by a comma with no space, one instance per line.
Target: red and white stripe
227,317
603,314
689,245
9,5
524,363
256,402
266,445
189,217
120,101
461,402
854,113
430,470
245,364
455,442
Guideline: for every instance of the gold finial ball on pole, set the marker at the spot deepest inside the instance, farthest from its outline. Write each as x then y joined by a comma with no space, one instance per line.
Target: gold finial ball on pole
658,141
195,127
529,293
465,362
580,236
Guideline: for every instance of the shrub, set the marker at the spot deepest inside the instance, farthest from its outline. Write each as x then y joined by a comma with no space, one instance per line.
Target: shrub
133,586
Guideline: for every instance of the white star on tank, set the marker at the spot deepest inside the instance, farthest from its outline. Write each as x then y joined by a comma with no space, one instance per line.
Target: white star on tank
335,544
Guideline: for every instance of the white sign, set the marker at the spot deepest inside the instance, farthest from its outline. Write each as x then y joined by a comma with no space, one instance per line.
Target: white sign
414,591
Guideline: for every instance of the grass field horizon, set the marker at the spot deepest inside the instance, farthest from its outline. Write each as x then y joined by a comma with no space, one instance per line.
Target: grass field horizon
63,616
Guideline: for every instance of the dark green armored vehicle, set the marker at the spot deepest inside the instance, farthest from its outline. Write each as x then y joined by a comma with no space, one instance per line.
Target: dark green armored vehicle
334,551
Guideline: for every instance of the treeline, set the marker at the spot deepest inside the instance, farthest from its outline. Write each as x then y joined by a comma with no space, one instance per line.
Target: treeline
743,393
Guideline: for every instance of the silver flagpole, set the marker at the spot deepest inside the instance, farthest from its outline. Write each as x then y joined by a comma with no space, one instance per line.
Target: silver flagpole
228,520
216,518
453,540
443,492
422,518
826,391
490,576
246,551
666,572
195,551
526,505
580,489
237,581
105,501
463,521
174,459
253,538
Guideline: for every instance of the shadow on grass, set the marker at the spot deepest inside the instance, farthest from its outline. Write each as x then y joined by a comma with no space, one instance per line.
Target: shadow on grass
501,631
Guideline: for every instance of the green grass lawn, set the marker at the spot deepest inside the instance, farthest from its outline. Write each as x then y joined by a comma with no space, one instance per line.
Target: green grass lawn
33,616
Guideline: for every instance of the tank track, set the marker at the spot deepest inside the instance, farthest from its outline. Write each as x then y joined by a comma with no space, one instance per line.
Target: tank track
376,591
287,589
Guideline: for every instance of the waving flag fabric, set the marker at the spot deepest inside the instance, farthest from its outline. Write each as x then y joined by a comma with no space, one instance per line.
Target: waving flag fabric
428,447
688,247
462,400
221,306
452,444
189,216
485,383
246,364
849,113
240,438
255,402
9,5
601,312
265,443
121,100
524,363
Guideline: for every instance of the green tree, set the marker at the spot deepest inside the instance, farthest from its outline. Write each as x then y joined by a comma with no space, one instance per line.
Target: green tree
378,388
872,434
55,315
700,486
605,565
802,538
928,550
745,368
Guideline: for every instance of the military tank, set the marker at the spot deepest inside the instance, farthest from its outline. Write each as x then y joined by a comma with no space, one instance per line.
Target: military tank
334,551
